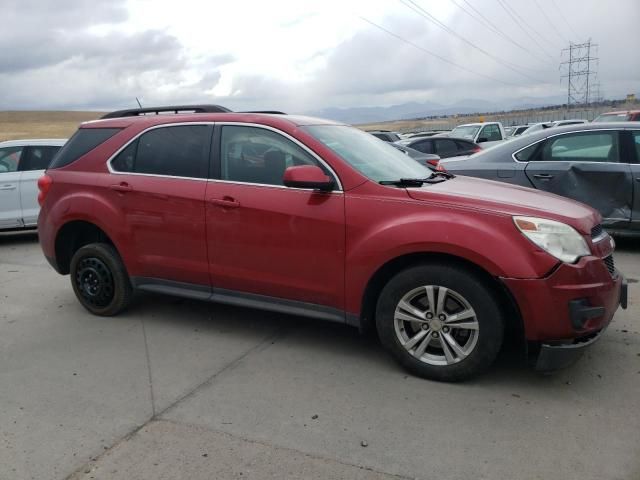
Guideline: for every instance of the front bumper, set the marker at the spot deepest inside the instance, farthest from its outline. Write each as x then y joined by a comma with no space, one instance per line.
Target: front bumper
554,357
568,310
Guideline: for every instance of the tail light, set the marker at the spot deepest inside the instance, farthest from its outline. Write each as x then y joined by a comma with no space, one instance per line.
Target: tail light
433,163
440,168
477,149
44,184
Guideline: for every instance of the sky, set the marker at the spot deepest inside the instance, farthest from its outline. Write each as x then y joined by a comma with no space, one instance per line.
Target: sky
304,55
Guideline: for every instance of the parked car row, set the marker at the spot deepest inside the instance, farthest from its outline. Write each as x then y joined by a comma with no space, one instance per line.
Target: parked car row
486,131
309,217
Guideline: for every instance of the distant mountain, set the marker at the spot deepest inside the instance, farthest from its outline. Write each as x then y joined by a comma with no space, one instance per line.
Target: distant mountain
375,114
410,110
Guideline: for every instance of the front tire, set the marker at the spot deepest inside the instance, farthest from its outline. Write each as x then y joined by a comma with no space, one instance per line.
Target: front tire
100,280
441,322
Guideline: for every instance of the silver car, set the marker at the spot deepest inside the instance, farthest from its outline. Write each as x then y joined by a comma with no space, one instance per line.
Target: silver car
22,162
594,163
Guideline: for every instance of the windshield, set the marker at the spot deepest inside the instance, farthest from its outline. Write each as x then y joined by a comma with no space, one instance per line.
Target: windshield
374,158
612,117
465,132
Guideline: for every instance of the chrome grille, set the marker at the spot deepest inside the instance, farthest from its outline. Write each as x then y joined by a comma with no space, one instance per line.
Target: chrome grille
608,261
597,231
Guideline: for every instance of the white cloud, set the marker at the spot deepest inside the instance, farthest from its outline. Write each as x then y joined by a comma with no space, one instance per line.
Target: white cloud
292,55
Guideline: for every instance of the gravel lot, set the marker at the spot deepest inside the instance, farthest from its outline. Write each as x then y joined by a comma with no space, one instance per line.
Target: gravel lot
182,389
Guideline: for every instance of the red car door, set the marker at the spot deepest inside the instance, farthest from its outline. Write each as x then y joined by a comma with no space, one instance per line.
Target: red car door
159,181
266,239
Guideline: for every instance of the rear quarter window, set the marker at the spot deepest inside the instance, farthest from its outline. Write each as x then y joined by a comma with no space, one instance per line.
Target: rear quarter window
82,142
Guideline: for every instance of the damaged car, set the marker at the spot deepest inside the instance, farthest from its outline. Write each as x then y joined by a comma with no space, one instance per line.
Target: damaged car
308,217
597,164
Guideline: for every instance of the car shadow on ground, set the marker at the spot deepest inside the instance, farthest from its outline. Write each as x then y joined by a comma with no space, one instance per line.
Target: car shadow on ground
18,237
320,337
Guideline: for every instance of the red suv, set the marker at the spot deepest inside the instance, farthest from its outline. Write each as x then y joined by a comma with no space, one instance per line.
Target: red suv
309,217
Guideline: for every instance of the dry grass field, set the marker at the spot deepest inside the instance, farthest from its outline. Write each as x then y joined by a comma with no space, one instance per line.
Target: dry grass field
27,124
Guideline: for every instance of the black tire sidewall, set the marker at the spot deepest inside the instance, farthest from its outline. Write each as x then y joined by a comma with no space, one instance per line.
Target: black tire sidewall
473,289
121,283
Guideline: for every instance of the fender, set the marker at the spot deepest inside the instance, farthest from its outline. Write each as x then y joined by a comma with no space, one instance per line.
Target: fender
91,208
378,235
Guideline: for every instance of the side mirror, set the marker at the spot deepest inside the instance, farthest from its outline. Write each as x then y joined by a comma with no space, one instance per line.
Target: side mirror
308,176
482,139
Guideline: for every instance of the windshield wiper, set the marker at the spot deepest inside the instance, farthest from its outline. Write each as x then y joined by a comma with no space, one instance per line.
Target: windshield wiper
435,177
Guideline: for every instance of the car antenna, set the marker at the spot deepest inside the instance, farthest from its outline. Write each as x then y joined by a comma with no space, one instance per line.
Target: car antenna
139,104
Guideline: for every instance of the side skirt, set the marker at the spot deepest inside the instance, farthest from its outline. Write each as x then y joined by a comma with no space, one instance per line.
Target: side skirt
241,299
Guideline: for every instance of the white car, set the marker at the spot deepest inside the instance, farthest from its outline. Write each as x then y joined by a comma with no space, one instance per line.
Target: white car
22,162
485,132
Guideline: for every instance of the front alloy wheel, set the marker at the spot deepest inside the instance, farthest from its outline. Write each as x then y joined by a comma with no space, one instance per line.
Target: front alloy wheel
436,325
441,321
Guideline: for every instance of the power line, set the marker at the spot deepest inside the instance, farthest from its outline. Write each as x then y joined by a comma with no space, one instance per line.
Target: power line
484,21
425,14
562,37
504,7
422,49
524,22
565,19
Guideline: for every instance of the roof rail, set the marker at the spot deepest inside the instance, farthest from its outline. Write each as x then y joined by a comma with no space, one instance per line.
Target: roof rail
135,112
273,112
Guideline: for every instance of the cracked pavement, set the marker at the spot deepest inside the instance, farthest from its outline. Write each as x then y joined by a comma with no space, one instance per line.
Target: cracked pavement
183,389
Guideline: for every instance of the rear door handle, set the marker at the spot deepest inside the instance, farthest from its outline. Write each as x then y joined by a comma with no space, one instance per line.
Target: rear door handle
225,202
8,186
121,187
543,176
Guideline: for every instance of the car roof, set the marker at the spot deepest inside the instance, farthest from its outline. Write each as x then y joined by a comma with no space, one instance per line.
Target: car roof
274,120
53,142
411,140
474,124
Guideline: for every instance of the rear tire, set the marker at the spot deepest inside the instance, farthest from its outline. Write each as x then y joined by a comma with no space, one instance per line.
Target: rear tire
441,322
100,280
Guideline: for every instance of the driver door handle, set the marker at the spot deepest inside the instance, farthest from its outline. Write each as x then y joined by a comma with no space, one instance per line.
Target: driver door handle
543,176
8,186
121,187
226,202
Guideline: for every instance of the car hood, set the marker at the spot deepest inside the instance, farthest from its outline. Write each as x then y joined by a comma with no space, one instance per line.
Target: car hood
490,196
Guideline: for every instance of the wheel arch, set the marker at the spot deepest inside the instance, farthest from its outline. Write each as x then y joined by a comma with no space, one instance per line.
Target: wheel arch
384,273
72,236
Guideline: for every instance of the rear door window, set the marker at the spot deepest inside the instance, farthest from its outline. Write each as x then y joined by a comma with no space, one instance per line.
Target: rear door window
38,157
176,151
594,146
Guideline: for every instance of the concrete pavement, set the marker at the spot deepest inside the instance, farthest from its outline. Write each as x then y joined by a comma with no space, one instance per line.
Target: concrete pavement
181,389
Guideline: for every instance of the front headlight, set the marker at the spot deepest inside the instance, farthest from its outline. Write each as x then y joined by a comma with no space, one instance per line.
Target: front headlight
556,238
